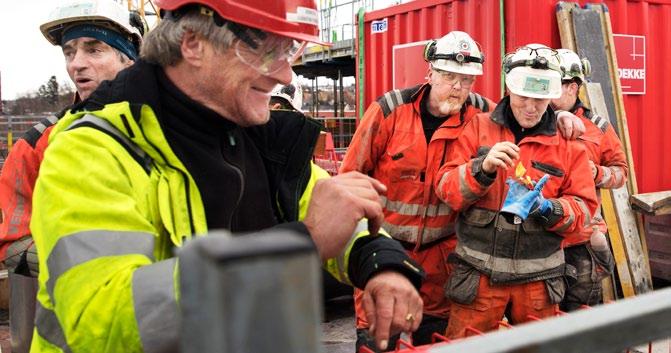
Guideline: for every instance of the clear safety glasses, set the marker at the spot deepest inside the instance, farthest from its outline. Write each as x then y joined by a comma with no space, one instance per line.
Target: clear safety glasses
451,78
271,54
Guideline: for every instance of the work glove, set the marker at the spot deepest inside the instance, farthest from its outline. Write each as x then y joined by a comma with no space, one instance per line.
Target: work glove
521,201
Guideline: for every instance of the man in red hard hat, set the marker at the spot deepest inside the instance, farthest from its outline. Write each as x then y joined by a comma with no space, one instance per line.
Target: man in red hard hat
177,145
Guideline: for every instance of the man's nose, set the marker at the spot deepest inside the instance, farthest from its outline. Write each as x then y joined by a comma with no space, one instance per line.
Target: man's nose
283,75
79,61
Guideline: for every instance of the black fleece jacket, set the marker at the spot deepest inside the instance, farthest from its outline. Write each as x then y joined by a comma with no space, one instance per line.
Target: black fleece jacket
250,179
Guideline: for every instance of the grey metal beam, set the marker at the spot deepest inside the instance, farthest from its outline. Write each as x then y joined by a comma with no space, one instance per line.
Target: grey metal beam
607,328
255,293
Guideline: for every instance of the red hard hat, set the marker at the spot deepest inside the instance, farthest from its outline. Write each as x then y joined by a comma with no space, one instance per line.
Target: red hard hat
297,19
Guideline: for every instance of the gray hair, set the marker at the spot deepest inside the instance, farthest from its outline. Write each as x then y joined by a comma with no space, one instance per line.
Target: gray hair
162,45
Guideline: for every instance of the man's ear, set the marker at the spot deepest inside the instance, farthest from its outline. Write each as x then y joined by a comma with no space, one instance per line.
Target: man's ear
575,88
193,48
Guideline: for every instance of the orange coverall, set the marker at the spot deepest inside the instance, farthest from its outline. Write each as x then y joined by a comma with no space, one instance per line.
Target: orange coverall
389,145
500,261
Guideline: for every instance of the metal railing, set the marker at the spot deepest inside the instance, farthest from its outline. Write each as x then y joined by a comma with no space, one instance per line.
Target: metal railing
609,328
13,127
341,129
337,16
240,291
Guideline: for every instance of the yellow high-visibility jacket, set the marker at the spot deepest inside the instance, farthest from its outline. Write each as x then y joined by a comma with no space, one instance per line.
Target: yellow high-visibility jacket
112,202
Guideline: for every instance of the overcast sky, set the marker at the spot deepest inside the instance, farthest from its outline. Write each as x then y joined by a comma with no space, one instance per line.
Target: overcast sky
27,60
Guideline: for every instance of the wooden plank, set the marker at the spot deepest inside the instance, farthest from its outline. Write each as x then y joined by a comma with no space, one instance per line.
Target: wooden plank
590,44
637,259
616,244
609,294
563,12
651,201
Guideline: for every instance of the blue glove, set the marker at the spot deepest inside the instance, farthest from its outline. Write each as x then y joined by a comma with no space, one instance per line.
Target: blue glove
520,201
542,205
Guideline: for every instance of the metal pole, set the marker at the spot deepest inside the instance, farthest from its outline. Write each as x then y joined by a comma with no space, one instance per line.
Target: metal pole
316,97
256,293
342,94
335,99
341,120
10,138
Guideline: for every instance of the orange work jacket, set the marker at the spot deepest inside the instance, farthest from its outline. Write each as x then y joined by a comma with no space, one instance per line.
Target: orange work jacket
605,151
17,182
460,182
389,145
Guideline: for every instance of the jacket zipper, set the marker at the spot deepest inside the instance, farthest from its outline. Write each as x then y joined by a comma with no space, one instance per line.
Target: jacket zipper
238,171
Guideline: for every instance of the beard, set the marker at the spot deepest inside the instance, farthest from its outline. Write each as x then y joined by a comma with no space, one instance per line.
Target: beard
449,107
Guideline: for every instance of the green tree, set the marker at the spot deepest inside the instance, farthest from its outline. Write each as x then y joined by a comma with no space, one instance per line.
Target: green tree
49,92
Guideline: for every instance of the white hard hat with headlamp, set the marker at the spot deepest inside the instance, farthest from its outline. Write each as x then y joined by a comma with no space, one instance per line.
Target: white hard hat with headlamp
292,92
455,52
533,71
573,66
102,13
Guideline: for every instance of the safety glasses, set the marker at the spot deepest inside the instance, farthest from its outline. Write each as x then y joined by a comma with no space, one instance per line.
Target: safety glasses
541,51
451,78
272,52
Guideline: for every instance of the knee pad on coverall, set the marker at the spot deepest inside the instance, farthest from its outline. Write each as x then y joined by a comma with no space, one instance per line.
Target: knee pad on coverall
433,258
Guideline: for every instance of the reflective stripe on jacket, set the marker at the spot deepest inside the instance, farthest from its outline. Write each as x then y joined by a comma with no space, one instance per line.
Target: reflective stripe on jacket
605,151
106,223
389,144
460,183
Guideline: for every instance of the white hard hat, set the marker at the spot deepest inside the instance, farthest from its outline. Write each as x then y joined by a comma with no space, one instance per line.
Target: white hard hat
533,71
455,52
105,13
573,66
292,92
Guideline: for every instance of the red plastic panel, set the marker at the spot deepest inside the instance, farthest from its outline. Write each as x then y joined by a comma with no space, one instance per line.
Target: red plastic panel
534,21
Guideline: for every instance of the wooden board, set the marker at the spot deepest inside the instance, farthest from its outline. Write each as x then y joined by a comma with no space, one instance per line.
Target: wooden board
616,244
652,201
609,294
563,12
590,44
638,262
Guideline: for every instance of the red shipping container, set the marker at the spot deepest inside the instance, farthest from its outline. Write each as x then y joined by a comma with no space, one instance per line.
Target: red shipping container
392,58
